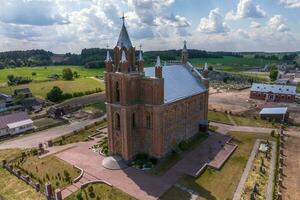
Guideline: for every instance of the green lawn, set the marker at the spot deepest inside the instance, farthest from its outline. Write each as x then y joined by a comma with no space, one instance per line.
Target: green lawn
100,191
42,73
40,89
80,136
230,63
48,169
244,121
11,187
214,184
298,88
175,193
97,106
218,117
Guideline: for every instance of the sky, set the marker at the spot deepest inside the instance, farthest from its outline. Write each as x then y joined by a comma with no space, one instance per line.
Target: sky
63,26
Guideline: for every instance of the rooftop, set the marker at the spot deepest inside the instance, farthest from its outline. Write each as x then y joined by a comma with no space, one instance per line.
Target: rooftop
179,82
278,89
278,110
13,118
124,40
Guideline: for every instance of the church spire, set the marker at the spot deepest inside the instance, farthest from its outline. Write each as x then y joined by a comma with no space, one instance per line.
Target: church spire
184,54
158,63
124,40
158,68
108,58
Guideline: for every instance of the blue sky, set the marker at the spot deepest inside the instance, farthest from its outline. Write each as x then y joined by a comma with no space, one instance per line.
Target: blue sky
217,25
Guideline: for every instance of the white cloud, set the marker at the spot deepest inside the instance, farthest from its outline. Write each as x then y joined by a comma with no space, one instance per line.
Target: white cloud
246,9
213,23
255,24
291,3
39,13
278,23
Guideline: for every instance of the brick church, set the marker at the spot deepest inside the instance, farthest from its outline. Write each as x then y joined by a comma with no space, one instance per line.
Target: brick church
150,110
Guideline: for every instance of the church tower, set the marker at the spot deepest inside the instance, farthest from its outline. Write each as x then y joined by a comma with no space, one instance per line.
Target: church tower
123,79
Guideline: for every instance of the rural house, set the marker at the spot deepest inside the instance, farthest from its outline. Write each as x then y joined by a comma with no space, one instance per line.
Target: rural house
15,123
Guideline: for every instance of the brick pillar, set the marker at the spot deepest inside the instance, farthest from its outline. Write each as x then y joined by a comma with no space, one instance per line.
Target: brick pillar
58,195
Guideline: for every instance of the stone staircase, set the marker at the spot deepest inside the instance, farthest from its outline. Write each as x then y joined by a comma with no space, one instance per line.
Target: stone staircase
76,186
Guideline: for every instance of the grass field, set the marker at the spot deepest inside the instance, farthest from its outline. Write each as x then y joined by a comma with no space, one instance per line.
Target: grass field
214,184
99,191
298,88
218,117
244,121
42,73
230,63
40,89
11,187
48,169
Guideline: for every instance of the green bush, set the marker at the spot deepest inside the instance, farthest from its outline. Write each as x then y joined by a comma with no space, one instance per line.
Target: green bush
183,146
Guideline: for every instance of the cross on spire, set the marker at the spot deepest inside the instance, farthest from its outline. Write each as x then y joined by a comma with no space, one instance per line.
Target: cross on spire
123,18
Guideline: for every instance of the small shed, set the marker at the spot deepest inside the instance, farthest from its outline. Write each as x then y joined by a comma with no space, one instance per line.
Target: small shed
278,113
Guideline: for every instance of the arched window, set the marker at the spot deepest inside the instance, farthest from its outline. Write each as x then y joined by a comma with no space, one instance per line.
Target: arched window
147,120
117,121
117,92
133,120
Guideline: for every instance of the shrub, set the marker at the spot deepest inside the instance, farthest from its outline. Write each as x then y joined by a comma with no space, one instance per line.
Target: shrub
55,95
79,196
90,188
34,152
273,133
33,73
67,74
183,146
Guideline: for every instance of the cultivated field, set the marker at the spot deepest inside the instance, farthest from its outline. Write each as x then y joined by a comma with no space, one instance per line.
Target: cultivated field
230,63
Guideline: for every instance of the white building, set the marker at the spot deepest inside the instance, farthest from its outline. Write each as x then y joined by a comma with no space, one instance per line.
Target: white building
15,123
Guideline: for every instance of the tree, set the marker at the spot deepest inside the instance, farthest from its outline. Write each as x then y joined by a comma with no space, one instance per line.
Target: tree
67,74
55,95
273,74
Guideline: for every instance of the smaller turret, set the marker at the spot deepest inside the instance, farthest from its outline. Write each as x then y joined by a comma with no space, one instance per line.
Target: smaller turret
124,63
184,54
158,68
141,61
108,62
205,71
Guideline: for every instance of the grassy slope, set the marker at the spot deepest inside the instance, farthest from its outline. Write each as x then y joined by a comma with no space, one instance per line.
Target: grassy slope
103,191
42,88
230,63
219,117
244,121
12,188
213,184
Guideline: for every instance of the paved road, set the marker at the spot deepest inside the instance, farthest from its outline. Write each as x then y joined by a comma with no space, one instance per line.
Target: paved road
34,139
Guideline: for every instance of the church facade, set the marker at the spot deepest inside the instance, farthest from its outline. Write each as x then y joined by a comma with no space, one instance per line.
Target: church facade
151,110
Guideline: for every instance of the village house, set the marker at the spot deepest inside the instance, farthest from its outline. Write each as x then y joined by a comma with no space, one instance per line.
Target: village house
151,110
274,93
15,123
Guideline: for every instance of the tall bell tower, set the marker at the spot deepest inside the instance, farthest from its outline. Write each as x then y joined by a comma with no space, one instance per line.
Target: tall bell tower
122,80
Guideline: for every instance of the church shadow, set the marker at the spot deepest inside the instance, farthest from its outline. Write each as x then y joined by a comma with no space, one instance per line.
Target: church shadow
190,163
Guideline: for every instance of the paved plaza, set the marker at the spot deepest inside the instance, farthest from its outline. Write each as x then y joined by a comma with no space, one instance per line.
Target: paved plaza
138,183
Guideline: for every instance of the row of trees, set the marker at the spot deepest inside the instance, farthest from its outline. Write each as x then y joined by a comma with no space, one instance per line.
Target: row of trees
57,95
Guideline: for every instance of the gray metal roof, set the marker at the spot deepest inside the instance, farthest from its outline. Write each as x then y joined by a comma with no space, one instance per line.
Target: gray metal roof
278,89
124,40
279,110
12,118
179,82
